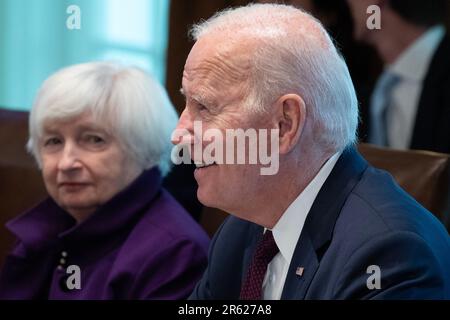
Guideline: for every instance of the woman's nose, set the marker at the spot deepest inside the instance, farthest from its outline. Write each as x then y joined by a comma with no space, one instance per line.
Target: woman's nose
69,158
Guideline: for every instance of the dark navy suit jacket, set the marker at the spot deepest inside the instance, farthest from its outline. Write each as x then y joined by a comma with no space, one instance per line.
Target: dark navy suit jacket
360,218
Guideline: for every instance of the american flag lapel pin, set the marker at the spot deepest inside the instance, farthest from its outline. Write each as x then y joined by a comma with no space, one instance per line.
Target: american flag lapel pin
299,271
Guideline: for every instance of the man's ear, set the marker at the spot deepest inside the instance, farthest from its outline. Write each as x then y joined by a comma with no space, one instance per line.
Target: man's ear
291,117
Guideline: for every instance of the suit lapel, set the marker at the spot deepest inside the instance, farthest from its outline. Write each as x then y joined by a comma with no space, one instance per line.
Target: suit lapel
318,230
429,107
301,270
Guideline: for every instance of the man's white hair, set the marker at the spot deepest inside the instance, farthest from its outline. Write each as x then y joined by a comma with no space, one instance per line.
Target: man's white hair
292,54
134,108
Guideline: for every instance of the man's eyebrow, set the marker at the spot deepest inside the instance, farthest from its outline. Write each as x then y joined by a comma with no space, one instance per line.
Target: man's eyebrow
198,97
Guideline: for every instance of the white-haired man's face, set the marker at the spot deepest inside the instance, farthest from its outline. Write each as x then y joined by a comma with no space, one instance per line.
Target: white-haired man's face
215,86
83,166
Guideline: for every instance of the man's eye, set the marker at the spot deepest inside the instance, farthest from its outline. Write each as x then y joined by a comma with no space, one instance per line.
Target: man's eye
201,107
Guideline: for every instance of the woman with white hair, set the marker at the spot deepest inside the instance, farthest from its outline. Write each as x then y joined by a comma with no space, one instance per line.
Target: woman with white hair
100,134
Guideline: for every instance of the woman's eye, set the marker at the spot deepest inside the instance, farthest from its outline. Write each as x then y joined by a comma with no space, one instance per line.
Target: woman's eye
52,141
95,139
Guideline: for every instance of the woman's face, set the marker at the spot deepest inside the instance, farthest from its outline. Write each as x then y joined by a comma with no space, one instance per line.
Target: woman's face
83,165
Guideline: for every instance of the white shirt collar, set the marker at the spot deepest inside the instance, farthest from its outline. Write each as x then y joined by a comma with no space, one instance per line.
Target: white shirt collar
414,61
288,229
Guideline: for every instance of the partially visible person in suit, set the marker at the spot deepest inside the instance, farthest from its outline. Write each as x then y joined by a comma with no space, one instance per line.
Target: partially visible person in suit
327,225
410,104
100,133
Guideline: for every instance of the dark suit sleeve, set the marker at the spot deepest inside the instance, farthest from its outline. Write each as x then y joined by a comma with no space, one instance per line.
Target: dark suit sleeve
408,270
202,290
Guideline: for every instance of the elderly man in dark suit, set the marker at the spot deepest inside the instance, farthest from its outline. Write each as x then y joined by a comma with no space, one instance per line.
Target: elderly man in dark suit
325,224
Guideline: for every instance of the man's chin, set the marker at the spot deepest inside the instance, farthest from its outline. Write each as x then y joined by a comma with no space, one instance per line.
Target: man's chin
207,199
203,199
211,201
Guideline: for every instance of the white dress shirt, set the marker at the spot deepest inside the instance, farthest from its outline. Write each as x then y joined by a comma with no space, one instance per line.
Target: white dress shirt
288,229
411,68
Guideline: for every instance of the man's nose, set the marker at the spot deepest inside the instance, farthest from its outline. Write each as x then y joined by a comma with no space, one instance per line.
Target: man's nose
69,159
183,133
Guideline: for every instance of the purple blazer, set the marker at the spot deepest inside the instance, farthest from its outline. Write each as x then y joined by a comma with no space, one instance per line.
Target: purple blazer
140,245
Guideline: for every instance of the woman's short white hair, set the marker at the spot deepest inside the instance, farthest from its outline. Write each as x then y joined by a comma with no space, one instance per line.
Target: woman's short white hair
132,105
293,54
